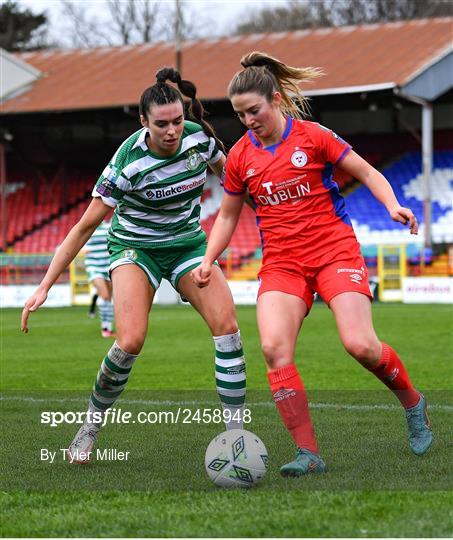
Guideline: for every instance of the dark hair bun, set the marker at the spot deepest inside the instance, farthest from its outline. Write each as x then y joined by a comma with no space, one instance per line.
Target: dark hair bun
168,74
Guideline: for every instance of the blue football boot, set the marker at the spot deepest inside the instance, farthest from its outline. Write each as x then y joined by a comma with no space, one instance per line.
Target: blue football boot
306,462
419,427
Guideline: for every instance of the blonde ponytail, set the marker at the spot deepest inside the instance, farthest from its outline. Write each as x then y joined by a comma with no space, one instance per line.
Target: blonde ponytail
265,75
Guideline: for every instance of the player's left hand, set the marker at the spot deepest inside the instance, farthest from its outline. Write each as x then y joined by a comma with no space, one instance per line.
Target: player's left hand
32,304
405,216
201,275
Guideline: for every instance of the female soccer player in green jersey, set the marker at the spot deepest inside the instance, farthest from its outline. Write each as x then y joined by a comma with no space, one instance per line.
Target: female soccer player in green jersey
154,181
97,261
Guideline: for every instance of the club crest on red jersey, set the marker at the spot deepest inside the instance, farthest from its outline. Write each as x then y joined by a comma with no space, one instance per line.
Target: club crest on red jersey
299,158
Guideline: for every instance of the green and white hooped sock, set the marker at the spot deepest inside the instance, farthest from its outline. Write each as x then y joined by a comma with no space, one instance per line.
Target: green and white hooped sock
106,314
111,379
230,377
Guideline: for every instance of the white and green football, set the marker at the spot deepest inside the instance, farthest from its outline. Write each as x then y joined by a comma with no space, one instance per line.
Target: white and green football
236,458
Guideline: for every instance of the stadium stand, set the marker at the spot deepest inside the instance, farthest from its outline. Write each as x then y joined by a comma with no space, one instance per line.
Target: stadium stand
370,219
46,238
212,197
371,113
246,239
49,235
33,208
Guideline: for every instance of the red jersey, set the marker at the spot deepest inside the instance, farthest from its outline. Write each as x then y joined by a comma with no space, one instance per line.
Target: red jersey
299,209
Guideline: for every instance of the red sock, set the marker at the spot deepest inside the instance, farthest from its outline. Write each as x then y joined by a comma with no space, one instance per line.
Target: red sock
292,404
391,371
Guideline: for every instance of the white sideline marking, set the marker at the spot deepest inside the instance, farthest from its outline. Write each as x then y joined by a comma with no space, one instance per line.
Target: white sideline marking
319,405
87,322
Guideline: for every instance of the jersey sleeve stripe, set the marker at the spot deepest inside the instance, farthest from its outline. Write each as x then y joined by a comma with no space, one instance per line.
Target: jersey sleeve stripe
343,155
234,192
215,158
109,201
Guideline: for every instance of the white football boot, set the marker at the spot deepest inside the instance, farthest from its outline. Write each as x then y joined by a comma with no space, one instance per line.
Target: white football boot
81,449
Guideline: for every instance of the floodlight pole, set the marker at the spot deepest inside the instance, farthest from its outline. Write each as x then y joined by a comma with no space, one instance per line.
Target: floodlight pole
3,194
427,159
178,24
427,156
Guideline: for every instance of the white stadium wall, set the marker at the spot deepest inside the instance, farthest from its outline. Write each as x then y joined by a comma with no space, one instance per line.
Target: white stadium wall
420,290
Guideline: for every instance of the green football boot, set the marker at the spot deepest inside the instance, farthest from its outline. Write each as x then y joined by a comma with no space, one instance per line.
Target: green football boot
419,427
306,462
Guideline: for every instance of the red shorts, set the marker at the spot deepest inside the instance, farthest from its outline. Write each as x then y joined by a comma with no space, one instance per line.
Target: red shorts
350,275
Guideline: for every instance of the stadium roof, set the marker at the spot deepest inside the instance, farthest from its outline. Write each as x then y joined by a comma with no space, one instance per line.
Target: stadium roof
355,59
17,75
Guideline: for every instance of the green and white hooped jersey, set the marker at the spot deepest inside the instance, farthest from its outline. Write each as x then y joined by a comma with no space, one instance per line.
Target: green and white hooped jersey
97,257
157,200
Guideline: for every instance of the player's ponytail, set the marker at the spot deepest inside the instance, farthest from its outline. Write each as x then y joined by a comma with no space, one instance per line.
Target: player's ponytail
265,75
196,109
162,93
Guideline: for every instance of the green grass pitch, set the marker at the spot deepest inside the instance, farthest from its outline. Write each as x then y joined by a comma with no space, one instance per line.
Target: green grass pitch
375,487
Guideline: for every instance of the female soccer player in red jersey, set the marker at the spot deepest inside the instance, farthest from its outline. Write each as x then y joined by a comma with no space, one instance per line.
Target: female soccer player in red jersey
286,164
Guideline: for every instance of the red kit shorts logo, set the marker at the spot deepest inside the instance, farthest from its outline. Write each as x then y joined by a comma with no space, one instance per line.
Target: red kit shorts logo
356,275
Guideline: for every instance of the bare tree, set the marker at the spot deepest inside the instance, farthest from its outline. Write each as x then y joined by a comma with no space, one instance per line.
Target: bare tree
122,14
193,22
146,16
362,11
300,14
83,29
122,22
351,12
115,22
294,15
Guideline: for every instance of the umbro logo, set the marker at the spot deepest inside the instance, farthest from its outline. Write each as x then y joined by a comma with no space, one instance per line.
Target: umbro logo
393,375
236,370
356,278
283,393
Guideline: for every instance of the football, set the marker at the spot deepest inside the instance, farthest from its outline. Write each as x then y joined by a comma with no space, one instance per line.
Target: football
236,458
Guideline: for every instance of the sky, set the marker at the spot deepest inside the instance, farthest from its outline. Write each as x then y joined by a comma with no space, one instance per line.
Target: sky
219,16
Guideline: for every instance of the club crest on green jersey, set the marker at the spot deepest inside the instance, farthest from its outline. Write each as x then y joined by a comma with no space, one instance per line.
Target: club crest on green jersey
193,159
130,254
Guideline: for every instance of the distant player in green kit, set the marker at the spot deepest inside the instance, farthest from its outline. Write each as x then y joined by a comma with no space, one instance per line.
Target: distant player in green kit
97,262
154,181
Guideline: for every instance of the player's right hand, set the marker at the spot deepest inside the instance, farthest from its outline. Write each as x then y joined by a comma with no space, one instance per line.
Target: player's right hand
32,304
201,275
406,217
